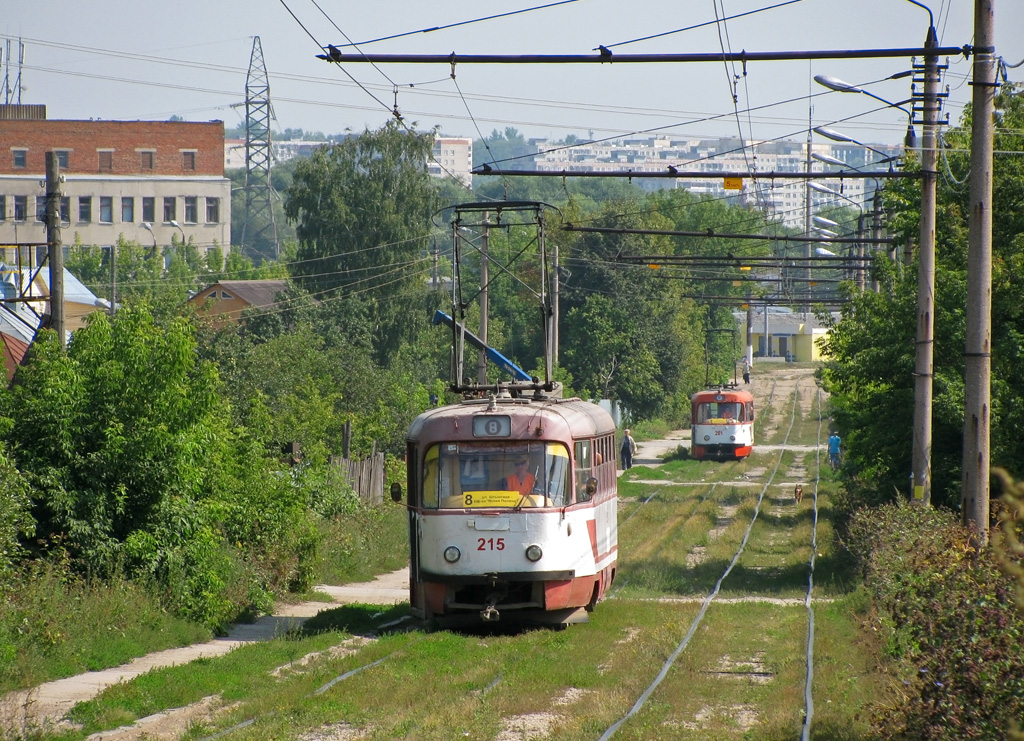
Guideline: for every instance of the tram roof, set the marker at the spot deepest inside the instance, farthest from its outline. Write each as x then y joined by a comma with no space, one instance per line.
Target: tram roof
731,393
582,418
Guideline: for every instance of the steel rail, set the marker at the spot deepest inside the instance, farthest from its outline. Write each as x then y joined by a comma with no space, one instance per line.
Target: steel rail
670,661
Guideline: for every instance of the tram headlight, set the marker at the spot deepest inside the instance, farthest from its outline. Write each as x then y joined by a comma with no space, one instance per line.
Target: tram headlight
707,437
452,554
534,553
732,438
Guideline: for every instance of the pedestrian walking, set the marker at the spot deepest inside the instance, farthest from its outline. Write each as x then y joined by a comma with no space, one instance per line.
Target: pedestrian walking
834,450
627,451
746,371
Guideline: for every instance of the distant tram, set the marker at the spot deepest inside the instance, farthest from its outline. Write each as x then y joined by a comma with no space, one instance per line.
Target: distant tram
722,423
512,510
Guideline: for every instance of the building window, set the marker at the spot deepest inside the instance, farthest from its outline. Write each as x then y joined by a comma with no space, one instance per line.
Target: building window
106,160
170,209
148,209
63,157
20,157
191,209
106,209
3,207
41,208
146,160
65,209
85,209
128,210
188,160
20,208
212,210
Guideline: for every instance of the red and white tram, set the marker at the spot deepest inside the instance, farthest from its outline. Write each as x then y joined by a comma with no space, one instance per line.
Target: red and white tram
512,510
722,423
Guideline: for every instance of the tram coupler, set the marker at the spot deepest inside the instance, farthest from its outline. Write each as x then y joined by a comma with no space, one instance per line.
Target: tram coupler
490,614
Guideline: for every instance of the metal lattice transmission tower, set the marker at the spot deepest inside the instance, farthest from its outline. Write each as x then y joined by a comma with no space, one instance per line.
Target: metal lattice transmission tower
259,231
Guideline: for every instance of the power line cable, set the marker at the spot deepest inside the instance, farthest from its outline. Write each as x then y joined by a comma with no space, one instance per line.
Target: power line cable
321,46
464,23
698,25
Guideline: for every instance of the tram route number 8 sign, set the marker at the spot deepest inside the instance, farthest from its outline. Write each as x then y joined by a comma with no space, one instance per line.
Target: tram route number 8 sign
492,426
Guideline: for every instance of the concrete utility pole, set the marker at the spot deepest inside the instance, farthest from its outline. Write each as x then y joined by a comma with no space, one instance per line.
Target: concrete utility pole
55,250
922,453
977,354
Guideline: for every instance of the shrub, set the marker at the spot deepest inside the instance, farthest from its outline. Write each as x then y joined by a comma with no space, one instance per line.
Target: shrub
947,614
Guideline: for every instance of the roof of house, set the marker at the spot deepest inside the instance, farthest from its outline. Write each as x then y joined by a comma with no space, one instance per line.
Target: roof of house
12,350
253,292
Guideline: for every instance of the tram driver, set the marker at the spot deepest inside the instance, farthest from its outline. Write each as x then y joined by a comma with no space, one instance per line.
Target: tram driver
521,480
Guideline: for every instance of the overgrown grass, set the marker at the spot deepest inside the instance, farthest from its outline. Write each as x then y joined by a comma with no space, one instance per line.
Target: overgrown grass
360,545
56,624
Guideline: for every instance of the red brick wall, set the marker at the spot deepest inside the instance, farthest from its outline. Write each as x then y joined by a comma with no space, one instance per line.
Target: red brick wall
83,138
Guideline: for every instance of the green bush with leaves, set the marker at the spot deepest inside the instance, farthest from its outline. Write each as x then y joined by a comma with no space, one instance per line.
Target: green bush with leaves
127,442
948,618
15,519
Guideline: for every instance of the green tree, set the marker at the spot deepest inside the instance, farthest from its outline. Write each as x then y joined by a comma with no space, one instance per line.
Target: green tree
15,517
362,210
127,442
509,150
870,352
629,334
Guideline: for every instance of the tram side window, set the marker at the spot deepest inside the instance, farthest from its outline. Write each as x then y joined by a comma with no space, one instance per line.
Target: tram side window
440,479
583,469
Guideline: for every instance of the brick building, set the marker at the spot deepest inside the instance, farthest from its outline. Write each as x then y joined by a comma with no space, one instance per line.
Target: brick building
143,180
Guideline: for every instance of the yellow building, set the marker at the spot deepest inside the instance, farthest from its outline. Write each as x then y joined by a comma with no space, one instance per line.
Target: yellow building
786,335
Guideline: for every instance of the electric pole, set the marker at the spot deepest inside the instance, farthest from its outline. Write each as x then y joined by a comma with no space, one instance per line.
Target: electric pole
923,364
55,249
978,346
481,375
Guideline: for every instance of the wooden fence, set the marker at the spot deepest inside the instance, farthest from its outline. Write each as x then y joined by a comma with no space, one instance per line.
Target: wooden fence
366,476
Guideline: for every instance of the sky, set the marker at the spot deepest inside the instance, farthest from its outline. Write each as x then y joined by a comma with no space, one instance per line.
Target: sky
128,60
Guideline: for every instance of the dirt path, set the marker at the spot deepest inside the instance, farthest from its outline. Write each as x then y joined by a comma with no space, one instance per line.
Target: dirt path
45,705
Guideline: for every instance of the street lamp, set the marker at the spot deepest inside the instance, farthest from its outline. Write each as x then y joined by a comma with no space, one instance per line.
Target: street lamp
822,221
175,224
818,187
841,137
833,83
149,228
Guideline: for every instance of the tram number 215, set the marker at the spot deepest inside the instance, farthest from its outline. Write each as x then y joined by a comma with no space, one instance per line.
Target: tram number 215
490,544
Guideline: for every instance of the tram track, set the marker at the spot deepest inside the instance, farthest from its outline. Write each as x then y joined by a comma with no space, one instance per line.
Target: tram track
670,531
706,603
577,683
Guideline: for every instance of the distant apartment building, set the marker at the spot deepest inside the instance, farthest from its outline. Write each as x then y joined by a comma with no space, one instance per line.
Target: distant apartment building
784,199
452,158
140,180
234,154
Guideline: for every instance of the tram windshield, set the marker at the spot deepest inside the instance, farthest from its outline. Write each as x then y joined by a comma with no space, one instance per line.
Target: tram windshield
460,475
720,411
